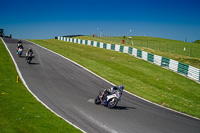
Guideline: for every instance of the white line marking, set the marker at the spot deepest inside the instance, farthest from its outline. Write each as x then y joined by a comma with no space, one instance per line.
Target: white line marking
100,78
33,93
90,100
124,90
114,84
93,120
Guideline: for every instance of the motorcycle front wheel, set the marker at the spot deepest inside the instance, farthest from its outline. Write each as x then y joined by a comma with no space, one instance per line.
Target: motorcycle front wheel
29,60
112,103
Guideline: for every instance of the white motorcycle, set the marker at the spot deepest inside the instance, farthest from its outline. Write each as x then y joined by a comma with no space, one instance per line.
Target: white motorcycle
19,52
110,100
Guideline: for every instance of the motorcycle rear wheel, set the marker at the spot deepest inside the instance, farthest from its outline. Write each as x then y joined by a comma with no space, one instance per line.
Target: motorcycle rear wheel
97,100
19,54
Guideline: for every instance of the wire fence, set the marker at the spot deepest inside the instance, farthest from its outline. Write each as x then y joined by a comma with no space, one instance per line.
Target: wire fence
175,47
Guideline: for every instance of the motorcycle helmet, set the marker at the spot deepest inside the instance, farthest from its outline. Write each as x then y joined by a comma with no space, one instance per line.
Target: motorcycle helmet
121,86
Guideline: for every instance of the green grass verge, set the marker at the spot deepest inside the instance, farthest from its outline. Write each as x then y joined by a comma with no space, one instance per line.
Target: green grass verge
139,77
172,49
19,110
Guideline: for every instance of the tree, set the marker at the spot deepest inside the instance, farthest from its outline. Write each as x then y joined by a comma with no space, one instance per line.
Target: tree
197,41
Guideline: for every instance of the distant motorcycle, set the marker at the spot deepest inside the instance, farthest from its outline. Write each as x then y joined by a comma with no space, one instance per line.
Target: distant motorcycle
19,43
19,52
10,36
110,101
29,57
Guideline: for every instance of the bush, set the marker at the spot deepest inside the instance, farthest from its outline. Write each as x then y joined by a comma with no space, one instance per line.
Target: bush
197,41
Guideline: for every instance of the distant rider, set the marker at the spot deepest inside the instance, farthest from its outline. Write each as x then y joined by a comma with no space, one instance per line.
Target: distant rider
19,43
111,91
20,47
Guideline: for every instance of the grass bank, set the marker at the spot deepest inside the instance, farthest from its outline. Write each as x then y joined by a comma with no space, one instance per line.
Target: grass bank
140,77
19,110
185,52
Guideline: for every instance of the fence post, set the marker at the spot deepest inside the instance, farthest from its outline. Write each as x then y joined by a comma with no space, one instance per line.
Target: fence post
17,78
175,49
147,42
166,48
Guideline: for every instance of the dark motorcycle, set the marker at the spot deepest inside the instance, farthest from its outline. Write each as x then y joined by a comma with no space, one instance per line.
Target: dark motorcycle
29,57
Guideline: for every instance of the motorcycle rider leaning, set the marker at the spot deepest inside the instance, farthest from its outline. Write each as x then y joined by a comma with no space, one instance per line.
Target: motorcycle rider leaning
110,91
30,51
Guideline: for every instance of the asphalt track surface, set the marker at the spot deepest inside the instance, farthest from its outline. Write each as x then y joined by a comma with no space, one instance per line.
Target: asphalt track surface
68,90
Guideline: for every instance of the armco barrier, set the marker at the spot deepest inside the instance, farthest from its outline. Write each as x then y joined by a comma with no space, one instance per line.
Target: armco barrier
184,69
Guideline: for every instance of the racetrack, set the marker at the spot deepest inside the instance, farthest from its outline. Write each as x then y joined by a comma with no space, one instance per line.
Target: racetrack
68,90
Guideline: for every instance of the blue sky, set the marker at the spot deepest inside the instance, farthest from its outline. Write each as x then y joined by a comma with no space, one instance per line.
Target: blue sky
42,19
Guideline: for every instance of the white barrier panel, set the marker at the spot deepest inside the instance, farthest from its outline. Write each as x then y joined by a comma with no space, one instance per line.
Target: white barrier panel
125,49
157,59
75,40
101,45
61,38
144,55
58,37
193,73
134,52
83,41
117,47
89,42
109,46
95,44
173,65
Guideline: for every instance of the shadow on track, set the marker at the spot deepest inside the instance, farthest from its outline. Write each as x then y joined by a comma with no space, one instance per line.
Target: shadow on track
22,56
123,108
34,63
